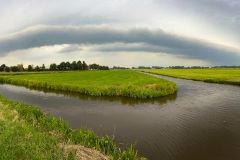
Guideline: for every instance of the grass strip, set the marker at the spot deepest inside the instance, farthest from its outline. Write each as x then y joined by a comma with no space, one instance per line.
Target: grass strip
216,75
96,83
27,133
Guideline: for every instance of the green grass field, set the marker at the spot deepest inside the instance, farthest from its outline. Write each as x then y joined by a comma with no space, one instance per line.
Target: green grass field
27,133
224,76
96,83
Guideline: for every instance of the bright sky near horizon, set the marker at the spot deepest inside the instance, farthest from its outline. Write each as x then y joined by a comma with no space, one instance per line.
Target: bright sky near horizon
120,32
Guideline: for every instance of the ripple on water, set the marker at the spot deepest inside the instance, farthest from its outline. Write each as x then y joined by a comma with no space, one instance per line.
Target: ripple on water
200,122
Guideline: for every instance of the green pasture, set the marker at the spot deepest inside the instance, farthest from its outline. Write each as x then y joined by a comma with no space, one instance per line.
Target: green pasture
97,83
216,75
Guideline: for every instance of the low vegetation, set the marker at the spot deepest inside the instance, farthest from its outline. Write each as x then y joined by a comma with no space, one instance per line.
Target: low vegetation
97,83
27,133
216,75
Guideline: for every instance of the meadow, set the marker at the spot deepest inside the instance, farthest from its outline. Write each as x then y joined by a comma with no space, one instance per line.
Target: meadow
97,83
216,75
27,133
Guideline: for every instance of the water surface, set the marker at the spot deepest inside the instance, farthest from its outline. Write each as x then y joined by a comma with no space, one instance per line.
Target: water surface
201,121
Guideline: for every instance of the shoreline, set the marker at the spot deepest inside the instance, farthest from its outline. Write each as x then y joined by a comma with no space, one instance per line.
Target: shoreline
147,90
33,134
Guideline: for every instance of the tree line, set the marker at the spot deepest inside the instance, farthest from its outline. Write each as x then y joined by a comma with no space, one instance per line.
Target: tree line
69,66
4,68
63,66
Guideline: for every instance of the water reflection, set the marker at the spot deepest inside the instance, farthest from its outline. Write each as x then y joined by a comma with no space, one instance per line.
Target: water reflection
124,100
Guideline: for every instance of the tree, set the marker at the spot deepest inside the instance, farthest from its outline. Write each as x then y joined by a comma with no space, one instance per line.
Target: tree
68,66
37,68
43,67
53,67
98,67
14,68
74,65
84,66
2,67
58,67
105,68
79,65
6,69
20,67
62,66
93,66
30,68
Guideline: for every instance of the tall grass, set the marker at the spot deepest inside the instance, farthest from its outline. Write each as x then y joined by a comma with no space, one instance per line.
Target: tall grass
223,75
27,133
96,83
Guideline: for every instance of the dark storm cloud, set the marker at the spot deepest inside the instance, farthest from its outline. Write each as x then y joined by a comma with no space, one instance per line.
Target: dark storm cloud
211,54
159,40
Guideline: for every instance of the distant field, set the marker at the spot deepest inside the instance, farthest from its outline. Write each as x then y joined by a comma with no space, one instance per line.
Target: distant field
224,76
97,83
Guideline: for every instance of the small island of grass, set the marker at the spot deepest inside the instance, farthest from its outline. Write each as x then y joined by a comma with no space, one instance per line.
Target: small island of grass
97,83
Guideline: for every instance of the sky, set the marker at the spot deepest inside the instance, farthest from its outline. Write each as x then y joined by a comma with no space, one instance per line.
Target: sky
123,33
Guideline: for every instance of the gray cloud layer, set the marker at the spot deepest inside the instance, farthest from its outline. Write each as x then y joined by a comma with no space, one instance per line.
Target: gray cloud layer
154,40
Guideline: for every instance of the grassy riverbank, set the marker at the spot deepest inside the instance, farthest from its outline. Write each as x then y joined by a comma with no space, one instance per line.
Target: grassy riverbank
97,83
223,76
27,133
